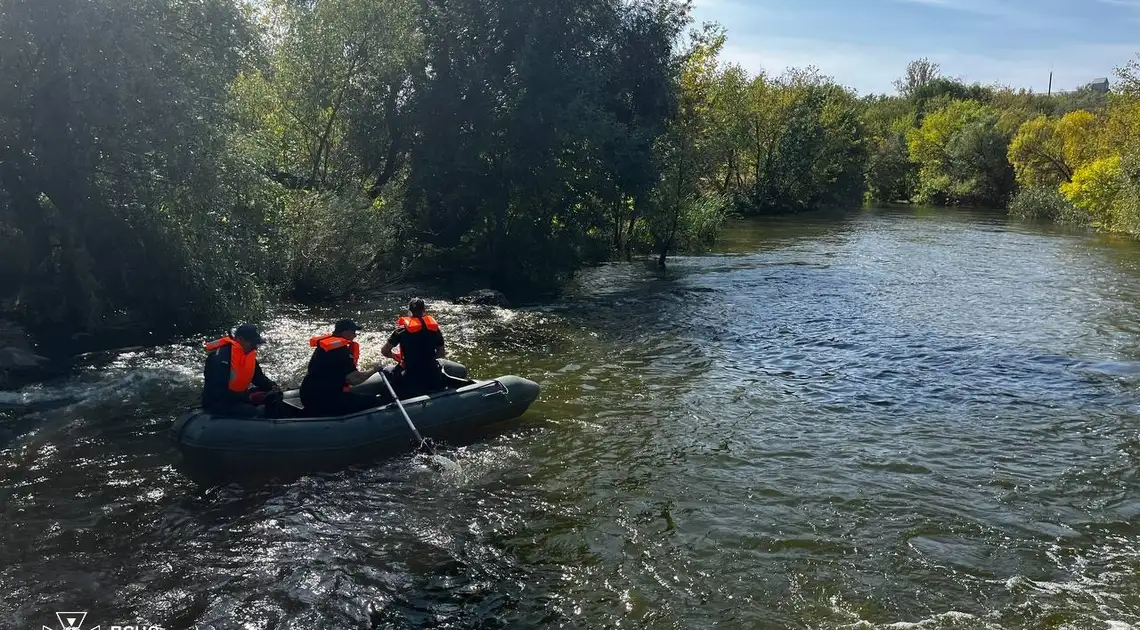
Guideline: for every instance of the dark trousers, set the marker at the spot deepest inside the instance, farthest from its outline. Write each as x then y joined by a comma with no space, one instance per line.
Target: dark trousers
428,381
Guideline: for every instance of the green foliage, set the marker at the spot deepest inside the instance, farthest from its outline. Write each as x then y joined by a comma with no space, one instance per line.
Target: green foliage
891,176
1128,203
1044,203
535,123
338,245
962,156
1129,79
117,188
804,146
327,111
1090,159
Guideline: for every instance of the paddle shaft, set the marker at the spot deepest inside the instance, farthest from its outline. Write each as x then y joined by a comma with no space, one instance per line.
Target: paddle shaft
401,406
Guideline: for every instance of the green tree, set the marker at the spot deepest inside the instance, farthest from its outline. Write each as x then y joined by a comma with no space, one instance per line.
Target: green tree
117,187
515,153
891,176
327,112
980,174
692,150
325,118
806,144
962,156
919,74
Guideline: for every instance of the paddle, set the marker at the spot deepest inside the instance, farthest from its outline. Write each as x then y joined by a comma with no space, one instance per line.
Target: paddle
407,419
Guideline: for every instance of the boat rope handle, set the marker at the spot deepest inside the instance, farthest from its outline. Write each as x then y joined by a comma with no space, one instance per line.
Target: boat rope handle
501,390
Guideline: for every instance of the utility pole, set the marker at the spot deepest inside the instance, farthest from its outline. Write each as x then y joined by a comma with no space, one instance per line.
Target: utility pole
1050,83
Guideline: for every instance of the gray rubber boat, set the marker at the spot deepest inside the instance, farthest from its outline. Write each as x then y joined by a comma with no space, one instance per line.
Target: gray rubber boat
209,442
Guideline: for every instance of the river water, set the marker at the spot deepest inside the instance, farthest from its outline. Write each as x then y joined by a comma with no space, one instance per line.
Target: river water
890,419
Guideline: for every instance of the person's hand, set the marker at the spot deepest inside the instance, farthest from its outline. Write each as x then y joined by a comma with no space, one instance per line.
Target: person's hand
274,396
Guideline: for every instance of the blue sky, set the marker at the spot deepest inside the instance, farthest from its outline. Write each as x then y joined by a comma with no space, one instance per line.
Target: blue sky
866,44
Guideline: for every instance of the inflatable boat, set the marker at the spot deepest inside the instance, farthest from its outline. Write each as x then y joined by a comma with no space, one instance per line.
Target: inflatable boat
209,442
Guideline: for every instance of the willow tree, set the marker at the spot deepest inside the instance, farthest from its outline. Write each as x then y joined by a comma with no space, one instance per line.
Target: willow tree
1048,151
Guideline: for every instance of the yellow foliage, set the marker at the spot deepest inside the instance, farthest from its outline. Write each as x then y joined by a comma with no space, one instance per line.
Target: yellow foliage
1121,131
1047,151
1095,188
1077,131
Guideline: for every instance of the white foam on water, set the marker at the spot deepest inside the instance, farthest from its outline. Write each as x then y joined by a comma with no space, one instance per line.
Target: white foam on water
949,619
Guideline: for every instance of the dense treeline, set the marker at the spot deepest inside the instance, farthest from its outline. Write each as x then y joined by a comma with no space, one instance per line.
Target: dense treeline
1067,157
180,163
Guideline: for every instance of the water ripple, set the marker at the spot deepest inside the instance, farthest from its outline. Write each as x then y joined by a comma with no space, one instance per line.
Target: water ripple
884,420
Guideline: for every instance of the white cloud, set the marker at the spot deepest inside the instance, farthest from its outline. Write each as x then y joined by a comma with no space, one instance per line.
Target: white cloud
869,68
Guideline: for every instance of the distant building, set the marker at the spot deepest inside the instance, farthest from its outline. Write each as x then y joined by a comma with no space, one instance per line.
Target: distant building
1098,85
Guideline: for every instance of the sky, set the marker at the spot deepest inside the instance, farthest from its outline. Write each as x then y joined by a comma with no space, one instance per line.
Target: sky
867,44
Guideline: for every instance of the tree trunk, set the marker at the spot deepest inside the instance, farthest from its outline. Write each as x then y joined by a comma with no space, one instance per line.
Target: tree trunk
629,236
617,218
395,142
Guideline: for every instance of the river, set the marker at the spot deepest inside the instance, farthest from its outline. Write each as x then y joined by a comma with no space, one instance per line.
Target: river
888,419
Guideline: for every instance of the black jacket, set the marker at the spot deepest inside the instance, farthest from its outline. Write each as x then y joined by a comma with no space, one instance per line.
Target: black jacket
216,392
418,350
327,375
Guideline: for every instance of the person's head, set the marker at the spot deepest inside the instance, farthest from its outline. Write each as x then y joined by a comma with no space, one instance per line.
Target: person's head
248,337
416,307
346,329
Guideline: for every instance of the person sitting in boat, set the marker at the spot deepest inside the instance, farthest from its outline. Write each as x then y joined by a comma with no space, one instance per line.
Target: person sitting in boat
234,384
332,371
417,370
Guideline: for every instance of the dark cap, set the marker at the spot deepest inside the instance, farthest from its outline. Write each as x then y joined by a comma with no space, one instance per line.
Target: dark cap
249,333
416,306
345,325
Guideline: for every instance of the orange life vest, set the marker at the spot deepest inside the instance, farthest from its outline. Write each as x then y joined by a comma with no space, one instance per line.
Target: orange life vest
242,363
413,325
328,343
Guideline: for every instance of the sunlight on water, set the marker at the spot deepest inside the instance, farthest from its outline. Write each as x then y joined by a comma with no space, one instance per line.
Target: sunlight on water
890,420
